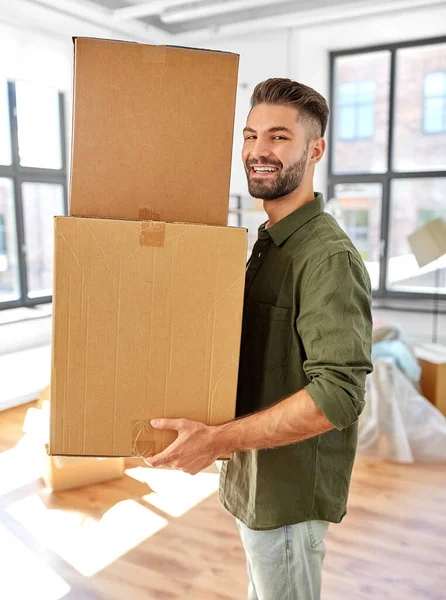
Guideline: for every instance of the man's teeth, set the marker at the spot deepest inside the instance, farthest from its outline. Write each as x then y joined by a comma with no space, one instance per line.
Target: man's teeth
264,169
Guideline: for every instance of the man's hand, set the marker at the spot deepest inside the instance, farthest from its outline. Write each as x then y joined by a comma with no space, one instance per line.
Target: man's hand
194,449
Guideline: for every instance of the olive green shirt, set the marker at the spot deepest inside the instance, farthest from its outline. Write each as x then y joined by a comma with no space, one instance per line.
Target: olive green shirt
306,324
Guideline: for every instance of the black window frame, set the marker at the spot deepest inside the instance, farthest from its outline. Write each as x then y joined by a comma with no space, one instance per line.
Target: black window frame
385,179
19,174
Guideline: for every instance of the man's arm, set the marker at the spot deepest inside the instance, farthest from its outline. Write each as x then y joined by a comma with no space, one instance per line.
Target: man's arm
292,420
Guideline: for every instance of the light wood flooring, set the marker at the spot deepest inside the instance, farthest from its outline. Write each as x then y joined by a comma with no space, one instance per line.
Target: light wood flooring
118,541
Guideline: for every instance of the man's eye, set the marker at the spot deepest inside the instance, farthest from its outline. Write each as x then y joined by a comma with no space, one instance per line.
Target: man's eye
250,137
279,137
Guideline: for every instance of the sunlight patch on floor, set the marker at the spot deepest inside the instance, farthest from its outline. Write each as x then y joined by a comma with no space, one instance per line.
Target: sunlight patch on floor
87,544
24,574
174,492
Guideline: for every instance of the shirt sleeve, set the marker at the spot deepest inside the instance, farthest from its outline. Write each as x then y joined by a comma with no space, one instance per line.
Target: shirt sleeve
335,325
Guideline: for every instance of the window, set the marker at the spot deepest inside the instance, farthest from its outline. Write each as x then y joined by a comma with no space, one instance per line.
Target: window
5,137
33,182
360,112
387,171
360,217
9,261
435,103
419,94
356,110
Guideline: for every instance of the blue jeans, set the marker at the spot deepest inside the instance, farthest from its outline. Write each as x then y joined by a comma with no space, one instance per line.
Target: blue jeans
285,563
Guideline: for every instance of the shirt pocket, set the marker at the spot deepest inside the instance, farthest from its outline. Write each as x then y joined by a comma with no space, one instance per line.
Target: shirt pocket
272,335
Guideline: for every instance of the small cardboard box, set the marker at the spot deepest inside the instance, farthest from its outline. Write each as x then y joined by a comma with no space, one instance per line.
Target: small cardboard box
152,132
146,323
68,472
432,359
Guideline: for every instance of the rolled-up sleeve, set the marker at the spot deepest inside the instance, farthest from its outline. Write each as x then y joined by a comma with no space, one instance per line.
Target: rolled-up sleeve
335,326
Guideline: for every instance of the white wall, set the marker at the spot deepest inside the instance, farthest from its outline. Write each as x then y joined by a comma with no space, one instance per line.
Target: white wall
34,56
39,58
258,61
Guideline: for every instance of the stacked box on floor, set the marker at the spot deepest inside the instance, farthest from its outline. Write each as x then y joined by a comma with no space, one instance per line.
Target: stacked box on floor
148,279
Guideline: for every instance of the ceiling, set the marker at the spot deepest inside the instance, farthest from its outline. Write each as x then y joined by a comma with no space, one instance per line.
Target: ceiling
183,16
161,21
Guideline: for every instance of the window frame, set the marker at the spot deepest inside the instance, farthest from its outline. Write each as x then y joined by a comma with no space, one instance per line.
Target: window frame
19,175
385,179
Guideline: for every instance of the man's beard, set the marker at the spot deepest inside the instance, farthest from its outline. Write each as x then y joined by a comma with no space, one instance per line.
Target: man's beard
286,182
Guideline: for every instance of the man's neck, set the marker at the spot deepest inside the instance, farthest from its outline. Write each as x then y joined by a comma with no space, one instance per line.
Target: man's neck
282,207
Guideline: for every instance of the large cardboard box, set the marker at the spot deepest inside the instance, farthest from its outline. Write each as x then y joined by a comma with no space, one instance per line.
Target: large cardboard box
432,359
152,132
147,323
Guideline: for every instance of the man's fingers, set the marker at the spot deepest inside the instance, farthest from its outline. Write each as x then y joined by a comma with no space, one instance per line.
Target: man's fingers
159,460
172,424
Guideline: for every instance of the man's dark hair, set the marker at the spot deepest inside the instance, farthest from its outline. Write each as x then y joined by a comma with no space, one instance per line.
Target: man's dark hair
311,106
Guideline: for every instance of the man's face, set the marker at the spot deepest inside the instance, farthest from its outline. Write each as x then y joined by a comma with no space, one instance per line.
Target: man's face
275,151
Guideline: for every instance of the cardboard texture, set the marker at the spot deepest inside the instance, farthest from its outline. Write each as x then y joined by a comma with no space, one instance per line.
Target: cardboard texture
432,359
68,472
152,132
147,323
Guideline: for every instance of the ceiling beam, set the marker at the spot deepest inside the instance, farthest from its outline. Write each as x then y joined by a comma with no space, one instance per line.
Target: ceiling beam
148,9
177,14
104,18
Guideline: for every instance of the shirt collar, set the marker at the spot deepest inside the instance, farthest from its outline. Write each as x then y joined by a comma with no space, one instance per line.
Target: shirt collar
284,228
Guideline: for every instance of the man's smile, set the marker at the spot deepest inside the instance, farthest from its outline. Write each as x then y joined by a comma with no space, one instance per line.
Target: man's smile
262,170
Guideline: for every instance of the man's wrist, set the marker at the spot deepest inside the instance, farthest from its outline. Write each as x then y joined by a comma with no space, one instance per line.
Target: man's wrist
224,439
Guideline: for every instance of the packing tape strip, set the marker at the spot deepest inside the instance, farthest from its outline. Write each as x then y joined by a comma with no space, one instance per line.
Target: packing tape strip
148,214
143,439
152,233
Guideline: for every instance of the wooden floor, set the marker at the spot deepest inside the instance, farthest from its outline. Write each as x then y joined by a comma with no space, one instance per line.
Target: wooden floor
109,542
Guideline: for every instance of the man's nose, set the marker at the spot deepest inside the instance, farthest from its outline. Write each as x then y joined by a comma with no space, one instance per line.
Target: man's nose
260,148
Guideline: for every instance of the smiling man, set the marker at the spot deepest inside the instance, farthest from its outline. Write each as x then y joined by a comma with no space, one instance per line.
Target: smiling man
305,354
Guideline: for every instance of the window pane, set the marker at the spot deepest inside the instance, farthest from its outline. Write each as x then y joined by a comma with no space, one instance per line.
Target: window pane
366,121
360,216
366,91
413,149
38,126
347,93
347,123
414,202
370,75
41,202
9,263
435,84
5,134
433,115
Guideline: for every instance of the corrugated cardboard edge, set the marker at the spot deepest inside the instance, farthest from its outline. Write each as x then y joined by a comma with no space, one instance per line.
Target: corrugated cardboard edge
53,385
81,37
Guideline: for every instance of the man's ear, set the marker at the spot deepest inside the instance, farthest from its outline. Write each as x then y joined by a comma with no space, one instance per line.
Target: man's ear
317,149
